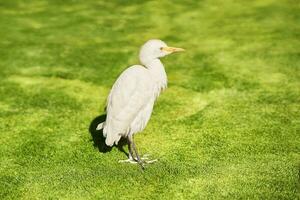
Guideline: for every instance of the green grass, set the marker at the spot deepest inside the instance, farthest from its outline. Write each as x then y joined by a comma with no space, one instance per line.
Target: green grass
228,126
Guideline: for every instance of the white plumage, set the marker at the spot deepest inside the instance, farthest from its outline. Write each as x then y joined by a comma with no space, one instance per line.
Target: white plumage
129,104
131,99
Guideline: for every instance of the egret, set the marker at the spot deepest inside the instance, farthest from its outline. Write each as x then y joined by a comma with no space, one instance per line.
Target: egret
131,99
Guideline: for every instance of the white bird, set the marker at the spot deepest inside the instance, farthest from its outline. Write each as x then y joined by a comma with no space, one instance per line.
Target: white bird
131,99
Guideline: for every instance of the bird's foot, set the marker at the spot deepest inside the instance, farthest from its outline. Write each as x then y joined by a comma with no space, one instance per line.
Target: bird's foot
144,160
129,160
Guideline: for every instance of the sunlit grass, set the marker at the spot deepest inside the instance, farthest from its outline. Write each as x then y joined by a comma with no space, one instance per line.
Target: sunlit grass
226,128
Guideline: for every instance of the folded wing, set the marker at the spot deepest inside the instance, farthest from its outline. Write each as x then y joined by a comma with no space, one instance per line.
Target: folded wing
129,95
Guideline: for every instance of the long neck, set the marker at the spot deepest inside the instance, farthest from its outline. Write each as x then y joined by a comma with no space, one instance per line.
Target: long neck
158,75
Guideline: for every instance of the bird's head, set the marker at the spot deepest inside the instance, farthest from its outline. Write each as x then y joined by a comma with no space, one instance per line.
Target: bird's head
154,49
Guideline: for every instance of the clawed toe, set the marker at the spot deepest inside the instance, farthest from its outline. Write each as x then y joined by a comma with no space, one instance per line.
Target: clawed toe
151,161
144,160
132,161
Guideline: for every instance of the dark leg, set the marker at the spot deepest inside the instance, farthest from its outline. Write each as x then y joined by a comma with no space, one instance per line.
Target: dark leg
131,141
130,156
134,157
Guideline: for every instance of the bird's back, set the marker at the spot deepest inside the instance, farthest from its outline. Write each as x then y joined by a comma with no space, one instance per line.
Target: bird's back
130,94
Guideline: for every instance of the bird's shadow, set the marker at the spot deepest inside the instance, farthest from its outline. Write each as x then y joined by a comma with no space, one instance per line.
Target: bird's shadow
99,140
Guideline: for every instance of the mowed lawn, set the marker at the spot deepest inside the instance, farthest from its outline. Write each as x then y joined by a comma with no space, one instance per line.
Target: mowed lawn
227,127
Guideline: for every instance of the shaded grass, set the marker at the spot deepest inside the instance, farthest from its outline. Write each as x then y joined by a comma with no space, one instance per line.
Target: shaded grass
226,128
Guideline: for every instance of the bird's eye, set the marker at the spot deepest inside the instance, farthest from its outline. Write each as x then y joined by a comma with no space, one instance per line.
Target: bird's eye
161,48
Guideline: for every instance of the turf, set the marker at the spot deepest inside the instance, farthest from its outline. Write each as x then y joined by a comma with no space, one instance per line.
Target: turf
227,127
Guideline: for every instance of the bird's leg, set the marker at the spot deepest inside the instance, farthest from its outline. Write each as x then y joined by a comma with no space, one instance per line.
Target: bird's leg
130,152
136,159
131,141
144,158
131,158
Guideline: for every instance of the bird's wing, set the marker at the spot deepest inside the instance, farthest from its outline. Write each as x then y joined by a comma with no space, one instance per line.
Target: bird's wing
130,93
